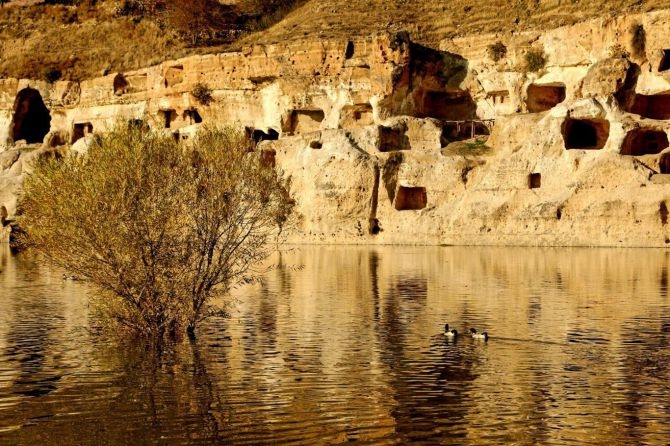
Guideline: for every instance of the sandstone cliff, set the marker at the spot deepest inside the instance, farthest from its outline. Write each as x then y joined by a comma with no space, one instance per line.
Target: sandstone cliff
389,141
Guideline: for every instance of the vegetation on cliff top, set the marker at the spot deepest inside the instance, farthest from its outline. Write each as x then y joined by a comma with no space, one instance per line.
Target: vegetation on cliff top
85,38
79,39
157,227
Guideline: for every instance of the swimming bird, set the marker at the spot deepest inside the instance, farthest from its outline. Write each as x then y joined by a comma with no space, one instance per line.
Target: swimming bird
450,333
484,336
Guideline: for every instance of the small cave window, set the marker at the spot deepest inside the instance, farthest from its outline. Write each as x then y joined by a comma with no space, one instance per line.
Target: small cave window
120,85
32,120
534,180
642,141
167,117
80,130
665,61
541,98
411,198
585,134
349,50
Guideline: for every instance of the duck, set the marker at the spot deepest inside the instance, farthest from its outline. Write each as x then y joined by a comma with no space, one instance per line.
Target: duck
484,336
450,333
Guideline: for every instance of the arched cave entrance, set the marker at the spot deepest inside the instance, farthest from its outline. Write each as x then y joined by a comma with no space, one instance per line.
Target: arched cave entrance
32,120
544,97
585,134
644,142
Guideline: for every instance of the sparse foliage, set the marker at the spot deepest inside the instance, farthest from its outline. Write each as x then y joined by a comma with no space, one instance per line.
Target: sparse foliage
617,51
202,93
535,59
157,226
497,51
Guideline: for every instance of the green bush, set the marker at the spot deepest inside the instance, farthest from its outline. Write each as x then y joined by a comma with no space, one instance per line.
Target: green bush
157,226
535,59
202,93
497,51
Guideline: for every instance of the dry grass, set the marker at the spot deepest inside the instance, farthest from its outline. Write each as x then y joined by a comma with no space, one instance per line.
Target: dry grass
430,21
89,39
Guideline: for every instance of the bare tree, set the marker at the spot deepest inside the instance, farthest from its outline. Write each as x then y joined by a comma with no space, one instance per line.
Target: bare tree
157,227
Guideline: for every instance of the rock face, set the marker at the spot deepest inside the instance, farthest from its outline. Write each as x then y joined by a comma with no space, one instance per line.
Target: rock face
387,141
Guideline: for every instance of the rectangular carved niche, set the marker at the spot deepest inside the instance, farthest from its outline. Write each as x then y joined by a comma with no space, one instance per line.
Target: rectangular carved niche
411,198
534,180
305,121
174,75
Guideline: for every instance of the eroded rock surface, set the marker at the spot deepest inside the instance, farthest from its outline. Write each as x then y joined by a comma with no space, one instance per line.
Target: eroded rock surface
388,141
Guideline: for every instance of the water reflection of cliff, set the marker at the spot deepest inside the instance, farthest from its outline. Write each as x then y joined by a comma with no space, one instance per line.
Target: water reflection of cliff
559,320
342,344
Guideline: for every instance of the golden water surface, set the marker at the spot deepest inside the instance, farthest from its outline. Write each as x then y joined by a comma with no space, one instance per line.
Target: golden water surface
345,344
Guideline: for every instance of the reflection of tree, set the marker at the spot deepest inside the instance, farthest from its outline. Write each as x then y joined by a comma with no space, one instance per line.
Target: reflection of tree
645,369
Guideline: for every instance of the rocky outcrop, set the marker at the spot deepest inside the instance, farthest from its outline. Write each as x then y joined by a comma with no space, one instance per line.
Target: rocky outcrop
388,141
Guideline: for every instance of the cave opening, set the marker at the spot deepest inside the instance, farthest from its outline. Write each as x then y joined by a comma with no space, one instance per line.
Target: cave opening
192,116
450,105
534,180
544,97
32,120
664,163
411,198
304,121
643,141
393,138
120,85
167,116
655,106
664,65
80,130
585,134
257,135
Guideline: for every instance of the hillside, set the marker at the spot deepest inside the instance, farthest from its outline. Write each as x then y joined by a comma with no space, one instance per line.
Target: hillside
91,38
430,21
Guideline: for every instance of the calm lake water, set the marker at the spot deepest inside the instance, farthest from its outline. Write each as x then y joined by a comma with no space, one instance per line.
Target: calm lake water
345,345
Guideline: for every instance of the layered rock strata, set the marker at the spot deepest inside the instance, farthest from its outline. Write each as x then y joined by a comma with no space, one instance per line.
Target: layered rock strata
387,141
